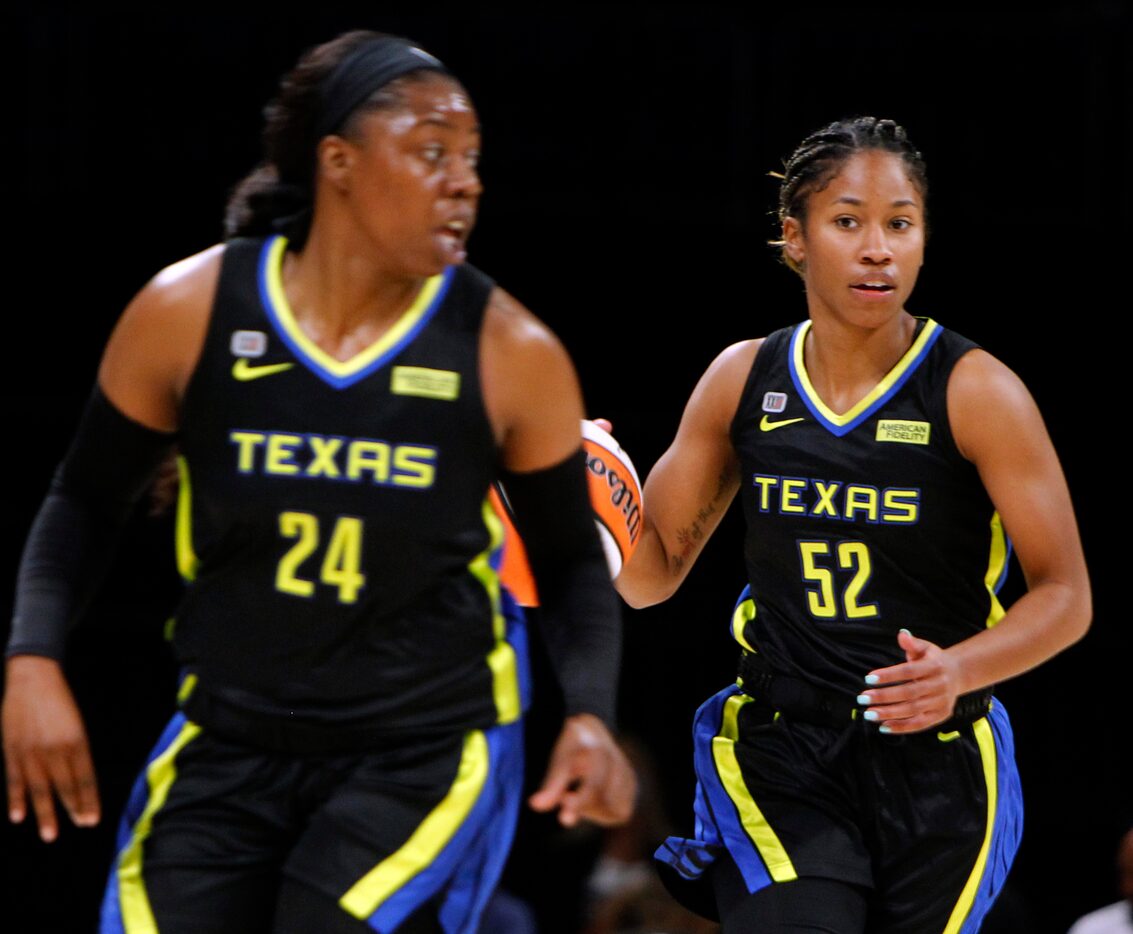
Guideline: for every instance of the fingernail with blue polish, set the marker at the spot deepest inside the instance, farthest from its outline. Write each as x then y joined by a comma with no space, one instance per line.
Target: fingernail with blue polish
884,729
906,632
865,700
872,716
872,679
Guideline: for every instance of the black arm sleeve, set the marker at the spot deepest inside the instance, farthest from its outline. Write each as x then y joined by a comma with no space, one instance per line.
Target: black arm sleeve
110,464
579,609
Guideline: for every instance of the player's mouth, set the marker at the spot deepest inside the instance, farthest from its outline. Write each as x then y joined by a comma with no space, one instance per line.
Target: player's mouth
874,286
452,236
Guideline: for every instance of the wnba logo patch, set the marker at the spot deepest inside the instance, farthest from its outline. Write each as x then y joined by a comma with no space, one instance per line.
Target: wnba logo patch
774,402
248,344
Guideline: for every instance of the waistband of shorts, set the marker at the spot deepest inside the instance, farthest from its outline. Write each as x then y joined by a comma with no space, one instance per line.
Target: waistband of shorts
810,704
294,735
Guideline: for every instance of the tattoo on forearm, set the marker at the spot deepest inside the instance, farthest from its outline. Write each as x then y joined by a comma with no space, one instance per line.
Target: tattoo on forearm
691,536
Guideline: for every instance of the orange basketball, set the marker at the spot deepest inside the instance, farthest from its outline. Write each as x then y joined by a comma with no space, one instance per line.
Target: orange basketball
615,495
615,498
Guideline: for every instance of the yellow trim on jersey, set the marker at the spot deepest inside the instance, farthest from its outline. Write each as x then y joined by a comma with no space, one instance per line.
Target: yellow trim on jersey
910,356
187,562
501,660
188,685
985,738
340,368
744,613
137,916
997,563
770,848
434,832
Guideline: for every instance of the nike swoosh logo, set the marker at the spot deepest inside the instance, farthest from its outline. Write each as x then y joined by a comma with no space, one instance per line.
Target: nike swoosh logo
244,371
766,424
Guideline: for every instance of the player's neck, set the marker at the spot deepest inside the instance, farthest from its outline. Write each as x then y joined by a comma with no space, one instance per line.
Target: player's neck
845,362
341,297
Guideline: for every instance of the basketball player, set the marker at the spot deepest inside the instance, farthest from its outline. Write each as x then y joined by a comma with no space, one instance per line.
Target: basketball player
343,390
859,776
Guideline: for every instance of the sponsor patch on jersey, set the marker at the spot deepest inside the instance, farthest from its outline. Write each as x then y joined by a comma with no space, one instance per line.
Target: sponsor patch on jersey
891,429
424,382
248,343
774,402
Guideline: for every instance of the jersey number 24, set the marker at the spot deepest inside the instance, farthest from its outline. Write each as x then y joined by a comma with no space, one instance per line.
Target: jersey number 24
341,562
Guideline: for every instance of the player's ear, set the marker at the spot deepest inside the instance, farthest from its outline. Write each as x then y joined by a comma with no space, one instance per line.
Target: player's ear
335,159
793,243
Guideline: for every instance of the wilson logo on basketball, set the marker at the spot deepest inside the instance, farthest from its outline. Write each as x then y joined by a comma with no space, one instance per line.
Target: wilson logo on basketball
615,495
622,497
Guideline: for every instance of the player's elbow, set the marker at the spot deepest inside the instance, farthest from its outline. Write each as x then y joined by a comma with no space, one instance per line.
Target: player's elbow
1076,611
639,601
640,593
1080,615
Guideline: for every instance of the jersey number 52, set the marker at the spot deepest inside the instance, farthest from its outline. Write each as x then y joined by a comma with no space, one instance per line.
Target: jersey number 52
826,565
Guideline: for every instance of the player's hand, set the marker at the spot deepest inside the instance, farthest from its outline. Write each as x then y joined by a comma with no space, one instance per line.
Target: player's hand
589,777
917,694
45,747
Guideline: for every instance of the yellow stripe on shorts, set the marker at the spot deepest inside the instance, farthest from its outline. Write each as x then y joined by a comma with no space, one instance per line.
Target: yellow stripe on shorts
137,916
986,741
766,841
418,852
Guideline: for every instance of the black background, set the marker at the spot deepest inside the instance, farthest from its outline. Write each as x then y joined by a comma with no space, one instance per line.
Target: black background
628,203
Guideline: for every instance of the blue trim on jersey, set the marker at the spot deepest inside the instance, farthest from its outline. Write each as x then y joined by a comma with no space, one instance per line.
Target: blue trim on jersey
1008,827
718,824
833,427
300,353
1006,563
470,865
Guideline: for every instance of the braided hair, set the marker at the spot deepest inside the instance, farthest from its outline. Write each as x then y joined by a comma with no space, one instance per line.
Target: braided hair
819,158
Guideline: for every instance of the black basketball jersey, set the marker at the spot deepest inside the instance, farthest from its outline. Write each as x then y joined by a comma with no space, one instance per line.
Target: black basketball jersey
860,524
334,523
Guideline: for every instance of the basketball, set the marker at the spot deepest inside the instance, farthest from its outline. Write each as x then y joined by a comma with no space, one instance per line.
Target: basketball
615,494
615,499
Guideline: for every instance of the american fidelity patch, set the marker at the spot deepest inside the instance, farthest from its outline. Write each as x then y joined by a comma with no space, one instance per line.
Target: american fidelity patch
424,382
891,429
248,344
774,402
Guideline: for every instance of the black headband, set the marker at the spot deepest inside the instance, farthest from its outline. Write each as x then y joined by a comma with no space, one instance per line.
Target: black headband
369,67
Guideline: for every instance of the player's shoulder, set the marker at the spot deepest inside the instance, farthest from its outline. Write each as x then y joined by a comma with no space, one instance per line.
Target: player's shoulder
738,357
978,377
990,409
716,398
512,328
185,287
728,372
